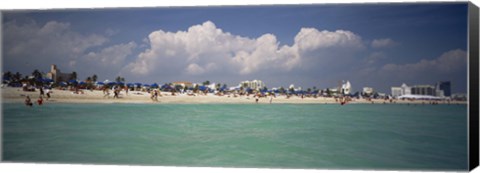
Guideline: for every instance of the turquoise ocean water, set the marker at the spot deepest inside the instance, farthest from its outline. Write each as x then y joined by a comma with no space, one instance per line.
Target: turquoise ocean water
354,136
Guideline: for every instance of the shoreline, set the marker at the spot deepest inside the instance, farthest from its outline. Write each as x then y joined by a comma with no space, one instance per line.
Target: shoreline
16,95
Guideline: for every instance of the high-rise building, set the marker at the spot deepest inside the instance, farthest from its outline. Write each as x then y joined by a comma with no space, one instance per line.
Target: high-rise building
423,90
445,86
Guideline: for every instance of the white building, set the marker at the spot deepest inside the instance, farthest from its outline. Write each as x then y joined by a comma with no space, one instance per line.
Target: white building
397,91
368,90
346,88
406,89
402,90
255,84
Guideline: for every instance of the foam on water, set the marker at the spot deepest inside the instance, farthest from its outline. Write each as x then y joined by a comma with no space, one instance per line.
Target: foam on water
362,136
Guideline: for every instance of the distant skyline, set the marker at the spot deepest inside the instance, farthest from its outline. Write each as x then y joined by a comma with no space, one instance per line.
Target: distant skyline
374,45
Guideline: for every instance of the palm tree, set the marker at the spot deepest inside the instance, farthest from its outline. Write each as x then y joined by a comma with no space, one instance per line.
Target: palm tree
94,78
178,88
17,76
37,74
195,89
206,83
291,90
73,76
120,79
282,90
8,75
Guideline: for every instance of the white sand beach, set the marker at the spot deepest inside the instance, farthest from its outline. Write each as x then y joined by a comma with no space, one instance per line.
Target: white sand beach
10,94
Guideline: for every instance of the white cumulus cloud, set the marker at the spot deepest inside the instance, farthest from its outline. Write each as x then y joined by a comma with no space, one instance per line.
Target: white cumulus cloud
381,43
193,51
34,46
448,62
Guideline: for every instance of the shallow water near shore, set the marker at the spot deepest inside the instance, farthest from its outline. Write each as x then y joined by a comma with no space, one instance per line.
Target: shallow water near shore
314,136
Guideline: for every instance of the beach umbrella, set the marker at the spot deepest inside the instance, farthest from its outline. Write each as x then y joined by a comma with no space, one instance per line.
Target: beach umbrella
202,88
100,83
6,78
146,85
82,83
130,84
47,80
63,84
154,85
138,84
111,83
73,82
165,86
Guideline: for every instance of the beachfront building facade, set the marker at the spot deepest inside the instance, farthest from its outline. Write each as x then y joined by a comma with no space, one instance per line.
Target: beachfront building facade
406,90
424,90
58,76
368,91
397,91
402,90
255,84
445,86
346,88
441,89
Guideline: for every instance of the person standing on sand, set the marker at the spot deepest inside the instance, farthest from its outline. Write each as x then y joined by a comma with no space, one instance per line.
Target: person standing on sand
152,95
41,92
156,94
115,93
48,93
271,98
105,92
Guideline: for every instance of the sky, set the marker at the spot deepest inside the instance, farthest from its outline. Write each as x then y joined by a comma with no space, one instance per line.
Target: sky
371,45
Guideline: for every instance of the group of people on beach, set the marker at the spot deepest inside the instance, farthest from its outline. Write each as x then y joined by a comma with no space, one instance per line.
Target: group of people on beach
28,101
116,91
